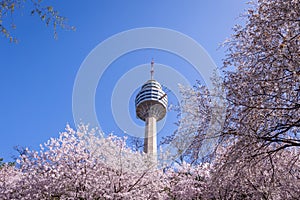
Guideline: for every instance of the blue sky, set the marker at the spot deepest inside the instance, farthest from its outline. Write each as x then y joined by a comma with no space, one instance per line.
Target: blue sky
38,73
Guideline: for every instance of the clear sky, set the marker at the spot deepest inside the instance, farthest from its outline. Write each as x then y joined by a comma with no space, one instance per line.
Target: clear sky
38,73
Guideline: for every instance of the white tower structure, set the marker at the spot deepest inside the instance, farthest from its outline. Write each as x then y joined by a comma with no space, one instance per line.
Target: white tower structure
151,106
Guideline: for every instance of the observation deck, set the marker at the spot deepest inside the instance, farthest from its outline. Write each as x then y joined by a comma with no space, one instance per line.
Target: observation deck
151,101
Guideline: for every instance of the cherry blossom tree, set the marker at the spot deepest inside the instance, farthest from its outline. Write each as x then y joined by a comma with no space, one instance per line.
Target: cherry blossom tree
261,82
262,122
193,124
237,175
82,165
45,12
9,179
188,181
258,152
263,89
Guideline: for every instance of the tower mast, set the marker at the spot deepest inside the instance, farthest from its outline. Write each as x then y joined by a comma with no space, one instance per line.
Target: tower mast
152,69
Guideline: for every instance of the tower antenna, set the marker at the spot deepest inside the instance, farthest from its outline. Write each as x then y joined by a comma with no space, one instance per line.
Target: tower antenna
152,69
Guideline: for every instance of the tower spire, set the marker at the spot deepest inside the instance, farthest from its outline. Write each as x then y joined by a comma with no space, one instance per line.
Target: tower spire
152,69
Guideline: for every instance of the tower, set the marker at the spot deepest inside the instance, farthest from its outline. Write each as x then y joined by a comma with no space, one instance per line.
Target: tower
151,106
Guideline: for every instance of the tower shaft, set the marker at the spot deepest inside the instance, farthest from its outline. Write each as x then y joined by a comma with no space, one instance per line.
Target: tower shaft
150,144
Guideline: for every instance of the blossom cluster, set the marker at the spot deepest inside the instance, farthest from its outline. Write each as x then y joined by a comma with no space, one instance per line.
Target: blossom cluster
85,165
